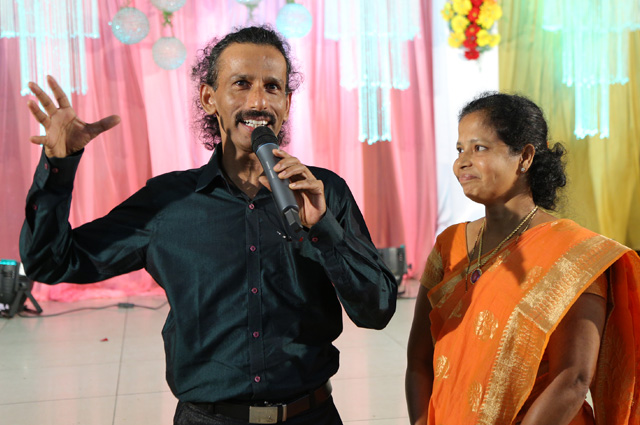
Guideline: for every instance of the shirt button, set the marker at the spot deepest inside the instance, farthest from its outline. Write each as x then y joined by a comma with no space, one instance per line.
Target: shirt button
256,334
254,290
314,239
252,248
251,206
34,206
257,379
54,170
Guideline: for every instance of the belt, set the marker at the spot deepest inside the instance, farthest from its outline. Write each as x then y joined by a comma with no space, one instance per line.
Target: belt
267,413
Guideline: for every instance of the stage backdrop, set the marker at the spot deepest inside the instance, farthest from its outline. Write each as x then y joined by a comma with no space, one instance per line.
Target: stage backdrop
394,183
603,189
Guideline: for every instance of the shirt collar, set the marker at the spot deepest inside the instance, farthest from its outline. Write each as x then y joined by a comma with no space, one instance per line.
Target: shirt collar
212,171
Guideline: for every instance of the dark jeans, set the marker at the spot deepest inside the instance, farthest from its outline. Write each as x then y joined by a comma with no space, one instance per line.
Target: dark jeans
324,414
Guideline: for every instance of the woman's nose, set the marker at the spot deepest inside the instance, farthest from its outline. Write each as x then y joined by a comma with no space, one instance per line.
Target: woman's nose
463,160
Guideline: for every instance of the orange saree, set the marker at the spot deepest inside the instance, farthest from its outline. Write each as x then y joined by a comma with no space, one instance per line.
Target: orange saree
490,337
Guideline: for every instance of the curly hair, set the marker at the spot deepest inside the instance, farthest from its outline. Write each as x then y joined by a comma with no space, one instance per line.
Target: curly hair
518,121
206,69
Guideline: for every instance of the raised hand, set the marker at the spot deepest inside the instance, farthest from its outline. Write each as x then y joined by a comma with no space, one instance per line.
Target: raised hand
65,132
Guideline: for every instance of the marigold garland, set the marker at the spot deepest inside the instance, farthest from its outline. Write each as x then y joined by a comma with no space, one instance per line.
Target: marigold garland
470,22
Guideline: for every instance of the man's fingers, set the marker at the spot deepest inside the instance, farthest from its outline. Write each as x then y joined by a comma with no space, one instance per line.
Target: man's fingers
61,97
109,122
313,186
37,113
288,162
43,98
103,125
281,154
296,171
38,140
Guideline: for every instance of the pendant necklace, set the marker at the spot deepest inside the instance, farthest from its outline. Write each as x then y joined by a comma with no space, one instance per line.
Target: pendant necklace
477,271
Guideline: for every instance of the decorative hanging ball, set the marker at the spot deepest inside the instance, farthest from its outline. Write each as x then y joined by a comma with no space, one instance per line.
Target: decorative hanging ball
130,25
252,3
168,5
294,20
169,53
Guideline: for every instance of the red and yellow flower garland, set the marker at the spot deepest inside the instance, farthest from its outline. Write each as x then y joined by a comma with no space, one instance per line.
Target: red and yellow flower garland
470,22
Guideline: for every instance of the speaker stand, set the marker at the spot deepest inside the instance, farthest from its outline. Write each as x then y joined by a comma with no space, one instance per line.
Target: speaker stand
24,291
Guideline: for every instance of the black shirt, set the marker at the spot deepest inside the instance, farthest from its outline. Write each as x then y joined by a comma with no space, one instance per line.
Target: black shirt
253,313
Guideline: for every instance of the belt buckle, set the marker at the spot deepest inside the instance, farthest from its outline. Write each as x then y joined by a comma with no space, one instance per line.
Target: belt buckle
264,414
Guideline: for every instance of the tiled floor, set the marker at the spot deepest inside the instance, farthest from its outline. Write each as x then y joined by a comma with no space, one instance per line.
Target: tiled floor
106,367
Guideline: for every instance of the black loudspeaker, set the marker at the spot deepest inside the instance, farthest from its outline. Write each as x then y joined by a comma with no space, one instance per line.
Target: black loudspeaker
395,259
15,288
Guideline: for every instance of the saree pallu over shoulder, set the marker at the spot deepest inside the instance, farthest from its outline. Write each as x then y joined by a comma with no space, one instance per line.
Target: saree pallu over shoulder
491,336
616,390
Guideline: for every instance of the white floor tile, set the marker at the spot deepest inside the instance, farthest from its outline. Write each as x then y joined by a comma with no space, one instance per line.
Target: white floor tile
367,399
143,348
83,325
86,411
142,322
363,362
142,377
58,383
151,408
47,353
352,336
400,325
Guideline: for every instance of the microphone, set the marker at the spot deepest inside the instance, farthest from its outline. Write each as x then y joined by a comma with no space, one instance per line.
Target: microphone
263,141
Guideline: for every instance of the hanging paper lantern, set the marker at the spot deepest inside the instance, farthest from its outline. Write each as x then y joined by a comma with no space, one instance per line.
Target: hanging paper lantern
130,25
249,3
169,53
168,5
294,20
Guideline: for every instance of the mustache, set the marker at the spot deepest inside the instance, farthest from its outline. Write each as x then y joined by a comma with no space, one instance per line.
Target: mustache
255,115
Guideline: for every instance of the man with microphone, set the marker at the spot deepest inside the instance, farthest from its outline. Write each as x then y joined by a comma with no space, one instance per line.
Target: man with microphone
254,284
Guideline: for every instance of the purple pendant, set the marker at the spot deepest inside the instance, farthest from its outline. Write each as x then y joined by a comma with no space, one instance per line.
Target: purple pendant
476,275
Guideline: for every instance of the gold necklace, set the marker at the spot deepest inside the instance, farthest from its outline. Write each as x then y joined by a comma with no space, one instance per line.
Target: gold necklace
477,271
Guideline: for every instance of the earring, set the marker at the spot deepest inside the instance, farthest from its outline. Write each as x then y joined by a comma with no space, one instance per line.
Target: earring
522,170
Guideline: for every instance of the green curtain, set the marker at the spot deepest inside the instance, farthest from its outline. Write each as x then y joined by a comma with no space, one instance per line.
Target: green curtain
603,189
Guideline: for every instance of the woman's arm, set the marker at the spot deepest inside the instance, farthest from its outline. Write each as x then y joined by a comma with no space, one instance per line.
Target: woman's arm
419,376
573,353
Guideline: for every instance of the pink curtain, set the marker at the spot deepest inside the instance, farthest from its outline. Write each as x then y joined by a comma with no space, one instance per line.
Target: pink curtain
394,183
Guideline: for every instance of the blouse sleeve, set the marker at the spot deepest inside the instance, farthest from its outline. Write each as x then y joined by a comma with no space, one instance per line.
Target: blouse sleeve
433,270
599,286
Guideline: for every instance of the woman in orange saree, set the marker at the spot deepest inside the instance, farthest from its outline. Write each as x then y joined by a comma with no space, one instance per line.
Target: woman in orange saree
520,313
